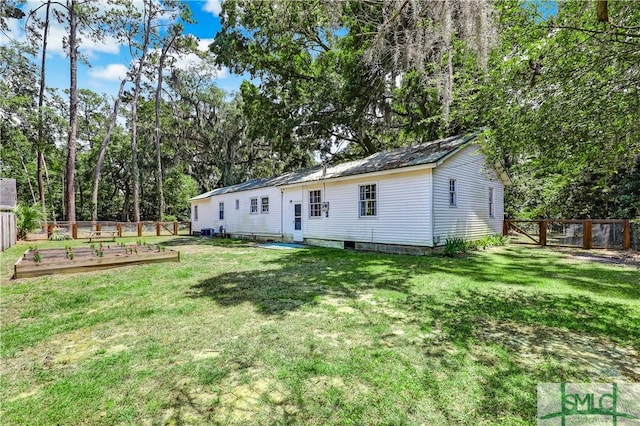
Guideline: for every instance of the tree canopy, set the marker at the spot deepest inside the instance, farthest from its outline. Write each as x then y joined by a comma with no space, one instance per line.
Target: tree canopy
555,90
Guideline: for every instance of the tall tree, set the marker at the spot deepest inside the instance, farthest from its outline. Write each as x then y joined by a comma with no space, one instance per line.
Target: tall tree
562,102
171,42
72,47
97,171
41,95
141,30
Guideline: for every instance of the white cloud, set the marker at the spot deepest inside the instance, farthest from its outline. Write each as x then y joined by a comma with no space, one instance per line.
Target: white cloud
88,46
112,72
192,60
213,7
203,44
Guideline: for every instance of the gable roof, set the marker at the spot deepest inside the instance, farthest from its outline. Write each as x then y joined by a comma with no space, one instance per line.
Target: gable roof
417,155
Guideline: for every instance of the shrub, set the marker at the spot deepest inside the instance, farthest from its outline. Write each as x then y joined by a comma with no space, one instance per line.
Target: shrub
28,218
488,241
458,246
58,236
455,247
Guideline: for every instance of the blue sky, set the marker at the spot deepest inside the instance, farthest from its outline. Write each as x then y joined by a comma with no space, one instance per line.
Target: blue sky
109,60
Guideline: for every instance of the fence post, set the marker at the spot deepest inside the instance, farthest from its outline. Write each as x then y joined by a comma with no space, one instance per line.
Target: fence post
157,229
542,232
505,227
175,228
139,229
119,228
626,235
587,236
74,231
98,228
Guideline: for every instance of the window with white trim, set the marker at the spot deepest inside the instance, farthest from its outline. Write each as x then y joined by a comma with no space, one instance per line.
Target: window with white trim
491,203
254,206
453,196
368,200
264,203
195,213
315,203
221,211
237,204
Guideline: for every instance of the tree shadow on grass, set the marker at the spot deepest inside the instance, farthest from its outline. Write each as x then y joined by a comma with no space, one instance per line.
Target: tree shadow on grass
529,267
463,314
512,290
299,277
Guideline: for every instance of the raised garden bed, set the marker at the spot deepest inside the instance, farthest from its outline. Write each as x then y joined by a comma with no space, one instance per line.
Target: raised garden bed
36,262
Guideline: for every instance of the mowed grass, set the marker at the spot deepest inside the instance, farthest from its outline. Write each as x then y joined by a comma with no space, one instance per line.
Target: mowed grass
236,334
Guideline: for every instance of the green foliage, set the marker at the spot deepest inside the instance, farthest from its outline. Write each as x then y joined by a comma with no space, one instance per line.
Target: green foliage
559,103
28,218
495,240
558,96
455,247
59,236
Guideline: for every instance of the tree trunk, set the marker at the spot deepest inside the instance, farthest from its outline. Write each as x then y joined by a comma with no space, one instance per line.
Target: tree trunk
103,149
40,147
603,14
70,196
158,135
134,112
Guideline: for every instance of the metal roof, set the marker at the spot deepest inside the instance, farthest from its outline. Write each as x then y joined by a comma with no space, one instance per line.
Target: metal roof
417,155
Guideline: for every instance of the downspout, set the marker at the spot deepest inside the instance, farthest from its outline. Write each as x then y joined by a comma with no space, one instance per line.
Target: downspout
433,217
281,213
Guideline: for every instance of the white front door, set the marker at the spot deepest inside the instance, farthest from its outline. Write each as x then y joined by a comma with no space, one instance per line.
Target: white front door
297,222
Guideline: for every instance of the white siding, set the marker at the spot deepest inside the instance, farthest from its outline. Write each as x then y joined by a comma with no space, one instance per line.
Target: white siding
469,219
403,210
205,215
241,221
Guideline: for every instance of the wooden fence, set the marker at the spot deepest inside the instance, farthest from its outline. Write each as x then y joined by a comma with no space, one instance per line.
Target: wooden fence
80,230
8,230
588,233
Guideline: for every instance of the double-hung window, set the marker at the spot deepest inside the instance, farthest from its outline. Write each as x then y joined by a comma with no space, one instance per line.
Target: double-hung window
315,203
453,196
368,200
195,213
254,206
237,204
264,205
221,211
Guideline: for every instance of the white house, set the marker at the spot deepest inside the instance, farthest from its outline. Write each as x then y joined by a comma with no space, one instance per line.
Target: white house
405,200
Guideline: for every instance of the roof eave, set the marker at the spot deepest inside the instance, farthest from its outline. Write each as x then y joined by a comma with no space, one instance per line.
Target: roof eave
457,149
359,175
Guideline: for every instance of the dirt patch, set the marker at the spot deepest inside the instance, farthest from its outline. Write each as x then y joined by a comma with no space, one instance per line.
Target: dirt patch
621,257
593,354
242,402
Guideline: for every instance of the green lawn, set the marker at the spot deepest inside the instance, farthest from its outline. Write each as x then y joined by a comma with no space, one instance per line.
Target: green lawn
235,334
